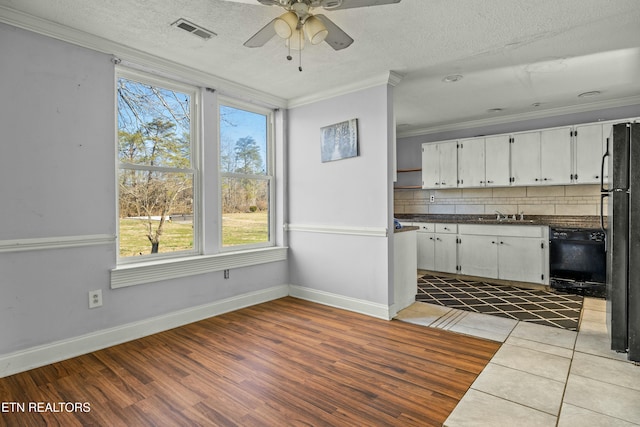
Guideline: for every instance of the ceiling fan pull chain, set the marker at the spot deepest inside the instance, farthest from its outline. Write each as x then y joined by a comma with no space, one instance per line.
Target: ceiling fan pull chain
300,54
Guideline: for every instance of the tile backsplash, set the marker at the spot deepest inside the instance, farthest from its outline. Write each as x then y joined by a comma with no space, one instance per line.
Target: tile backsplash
548,200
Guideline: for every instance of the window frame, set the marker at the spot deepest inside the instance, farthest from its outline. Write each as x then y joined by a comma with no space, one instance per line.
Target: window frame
268,176
195,143
209,257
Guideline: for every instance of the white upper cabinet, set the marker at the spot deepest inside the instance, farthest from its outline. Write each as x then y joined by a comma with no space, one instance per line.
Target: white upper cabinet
590,146
555,156
497,155
541,157
471,163
430,166
525,158
440,165
483,162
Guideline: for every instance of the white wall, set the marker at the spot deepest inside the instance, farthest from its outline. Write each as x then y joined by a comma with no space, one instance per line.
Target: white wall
57,179
352,195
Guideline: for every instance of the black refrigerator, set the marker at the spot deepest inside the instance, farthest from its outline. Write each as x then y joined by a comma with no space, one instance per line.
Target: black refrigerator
623,238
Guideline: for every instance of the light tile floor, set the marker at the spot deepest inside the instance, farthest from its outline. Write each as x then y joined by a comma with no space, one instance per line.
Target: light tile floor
542,376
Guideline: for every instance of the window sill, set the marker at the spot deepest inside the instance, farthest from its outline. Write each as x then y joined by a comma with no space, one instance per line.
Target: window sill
157,270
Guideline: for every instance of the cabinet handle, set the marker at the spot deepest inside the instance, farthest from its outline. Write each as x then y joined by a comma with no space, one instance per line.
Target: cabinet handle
546,179
437,238
489,182
430,238
437,183
493,242
502,243
481,182
444,183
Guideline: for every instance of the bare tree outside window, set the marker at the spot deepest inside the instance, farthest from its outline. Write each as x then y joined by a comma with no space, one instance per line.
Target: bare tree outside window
156,175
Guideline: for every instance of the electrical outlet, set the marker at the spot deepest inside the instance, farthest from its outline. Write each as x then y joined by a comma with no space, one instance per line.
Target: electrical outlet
95,298
432,198
226,274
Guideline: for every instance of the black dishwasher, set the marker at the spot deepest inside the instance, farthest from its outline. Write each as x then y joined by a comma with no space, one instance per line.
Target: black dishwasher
577,261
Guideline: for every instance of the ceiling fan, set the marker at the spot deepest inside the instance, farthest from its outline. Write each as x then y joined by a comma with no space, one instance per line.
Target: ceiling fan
298,24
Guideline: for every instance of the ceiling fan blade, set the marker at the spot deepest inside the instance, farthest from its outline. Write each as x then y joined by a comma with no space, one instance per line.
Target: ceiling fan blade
265,34
336,38
255,2
350,4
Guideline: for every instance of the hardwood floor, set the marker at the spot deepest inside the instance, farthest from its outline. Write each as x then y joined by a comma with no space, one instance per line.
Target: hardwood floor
285,362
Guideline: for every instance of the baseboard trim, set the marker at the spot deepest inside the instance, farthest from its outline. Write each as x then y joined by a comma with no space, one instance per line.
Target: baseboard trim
369,308
34,357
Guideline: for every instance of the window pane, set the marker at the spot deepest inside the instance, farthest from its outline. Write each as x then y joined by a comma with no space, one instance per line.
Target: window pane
245,211
156,212
154,125
243,141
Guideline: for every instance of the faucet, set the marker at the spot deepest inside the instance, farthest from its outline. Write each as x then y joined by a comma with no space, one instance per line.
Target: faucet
522,216
500,216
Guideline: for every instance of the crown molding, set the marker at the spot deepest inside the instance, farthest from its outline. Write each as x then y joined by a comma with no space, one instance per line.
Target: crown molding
135,56
391,78
532,115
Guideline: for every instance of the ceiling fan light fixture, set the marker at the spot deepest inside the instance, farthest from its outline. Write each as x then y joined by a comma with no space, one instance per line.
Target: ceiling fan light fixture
296,41
315,30
286,24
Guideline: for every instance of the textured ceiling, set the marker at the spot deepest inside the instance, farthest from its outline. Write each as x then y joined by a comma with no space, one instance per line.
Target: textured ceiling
512,53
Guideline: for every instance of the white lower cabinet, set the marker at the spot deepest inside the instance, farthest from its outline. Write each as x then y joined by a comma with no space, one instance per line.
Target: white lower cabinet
522,259
507,252
445,252
479,256
426,246
437,247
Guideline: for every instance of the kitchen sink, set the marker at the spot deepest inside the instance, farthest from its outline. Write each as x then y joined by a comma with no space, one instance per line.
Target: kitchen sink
505,221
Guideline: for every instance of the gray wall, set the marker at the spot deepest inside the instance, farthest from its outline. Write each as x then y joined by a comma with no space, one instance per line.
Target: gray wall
57,179
350,193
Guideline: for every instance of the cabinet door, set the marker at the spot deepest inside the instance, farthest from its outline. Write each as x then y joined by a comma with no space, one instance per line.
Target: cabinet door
525,159
555,156
445,253
471,162
426,251
478,256
448,164
497,156
521,259
430,166
589,143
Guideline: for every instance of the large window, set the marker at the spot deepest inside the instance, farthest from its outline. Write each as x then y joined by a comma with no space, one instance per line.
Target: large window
245,176
156,173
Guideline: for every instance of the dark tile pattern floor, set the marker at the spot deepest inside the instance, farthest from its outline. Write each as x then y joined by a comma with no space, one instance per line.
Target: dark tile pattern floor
541,307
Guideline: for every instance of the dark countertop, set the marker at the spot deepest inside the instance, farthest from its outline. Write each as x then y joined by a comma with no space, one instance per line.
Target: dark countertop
406,228
560,221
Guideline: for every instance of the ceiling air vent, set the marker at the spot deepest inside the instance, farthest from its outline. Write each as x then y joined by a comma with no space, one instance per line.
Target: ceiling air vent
194,29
